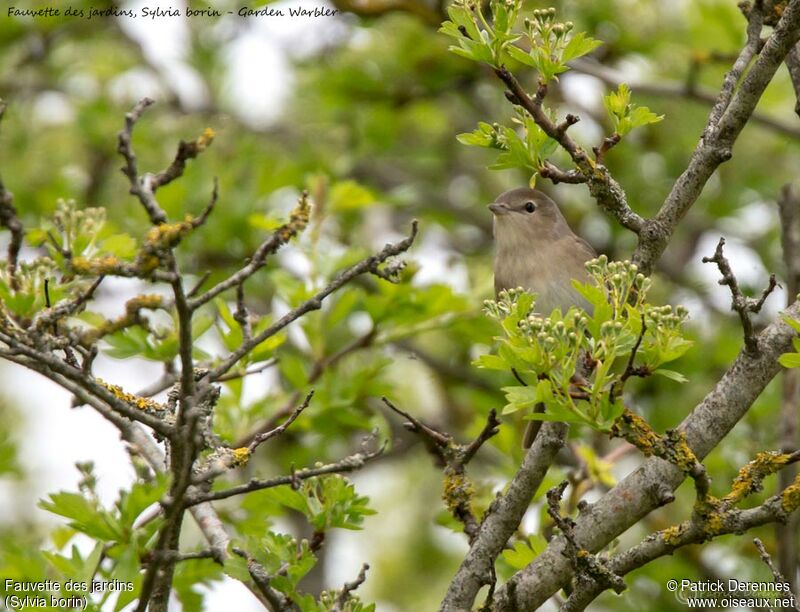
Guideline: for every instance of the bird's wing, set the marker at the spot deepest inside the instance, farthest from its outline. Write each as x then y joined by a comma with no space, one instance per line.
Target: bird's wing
584,248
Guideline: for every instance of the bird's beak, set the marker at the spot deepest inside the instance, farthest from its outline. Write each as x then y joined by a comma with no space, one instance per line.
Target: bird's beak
499,208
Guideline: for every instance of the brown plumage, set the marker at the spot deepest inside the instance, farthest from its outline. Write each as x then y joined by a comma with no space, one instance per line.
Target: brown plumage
537,250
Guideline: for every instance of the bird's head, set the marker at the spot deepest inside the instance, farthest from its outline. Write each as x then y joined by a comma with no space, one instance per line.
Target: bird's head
526,216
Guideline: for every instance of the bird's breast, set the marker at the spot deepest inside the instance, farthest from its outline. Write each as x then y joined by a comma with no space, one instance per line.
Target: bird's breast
551,282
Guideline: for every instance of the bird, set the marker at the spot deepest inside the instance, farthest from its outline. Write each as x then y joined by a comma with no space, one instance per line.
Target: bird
537,250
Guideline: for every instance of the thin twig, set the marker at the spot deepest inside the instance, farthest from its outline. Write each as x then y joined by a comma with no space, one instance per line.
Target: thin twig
349,587
263,437
277,239
608,193
348,464
490,429
437,438
318,369
369,264
740,303
776,574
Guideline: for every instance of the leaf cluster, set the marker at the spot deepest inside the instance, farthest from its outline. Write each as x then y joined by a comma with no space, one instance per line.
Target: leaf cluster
580,361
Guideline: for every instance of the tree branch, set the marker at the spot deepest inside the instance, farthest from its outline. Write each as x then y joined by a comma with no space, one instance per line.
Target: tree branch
731,112
694,531
348,464
651,485
740,303
786,534
608,193
502,520
370,264
263,437
349,587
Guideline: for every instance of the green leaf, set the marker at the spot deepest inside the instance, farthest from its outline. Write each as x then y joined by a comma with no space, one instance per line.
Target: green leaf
579,45
483,136
790,360
521,56
793,323
519,398
293,367
84,515
672,375
491,362
128,342
624,115
462,16
236,567
120,245
593,294
562,415
520,556
140,497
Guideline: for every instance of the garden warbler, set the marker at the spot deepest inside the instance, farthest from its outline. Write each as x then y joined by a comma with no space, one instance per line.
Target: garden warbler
537,250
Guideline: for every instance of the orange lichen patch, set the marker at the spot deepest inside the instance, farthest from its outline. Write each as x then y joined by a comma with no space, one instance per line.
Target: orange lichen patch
751,476
147,262
95,267
241,456
672,447
790,498
298,220
147,300
130,318
108,265
681,454
638,432
166,235
672,535
142,403
205,139
714,523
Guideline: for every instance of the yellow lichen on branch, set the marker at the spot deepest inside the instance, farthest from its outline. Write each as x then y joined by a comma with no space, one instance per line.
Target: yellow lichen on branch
751,476
672,446
790,498
141,403
168,235
241,456
298,220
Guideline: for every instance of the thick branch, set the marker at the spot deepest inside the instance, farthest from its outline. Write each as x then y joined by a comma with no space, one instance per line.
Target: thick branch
793,64
665,542
651,485
502,520
689,91
730,114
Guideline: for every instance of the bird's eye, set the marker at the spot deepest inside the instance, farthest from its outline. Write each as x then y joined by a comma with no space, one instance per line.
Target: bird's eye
530,206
